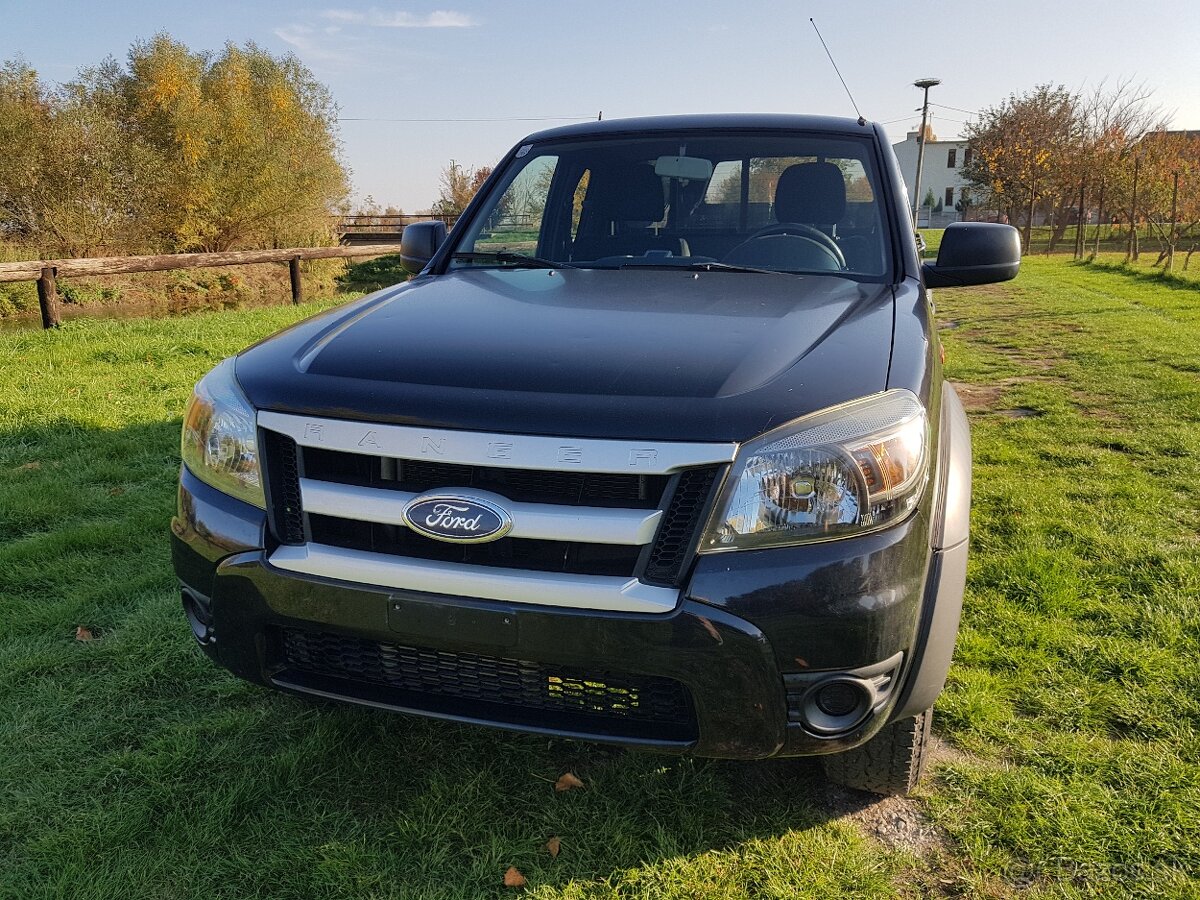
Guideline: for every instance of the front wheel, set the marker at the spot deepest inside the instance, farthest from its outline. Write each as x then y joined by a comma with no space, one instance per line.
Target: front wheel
889,763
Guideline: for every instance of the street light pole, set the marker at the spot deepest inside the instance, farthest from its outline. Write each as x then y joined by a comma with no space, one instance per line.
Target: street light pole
926,84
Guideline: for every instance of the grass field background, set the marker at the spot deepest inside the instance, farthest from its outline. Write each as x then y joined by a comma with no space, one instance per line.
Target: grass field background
1068,761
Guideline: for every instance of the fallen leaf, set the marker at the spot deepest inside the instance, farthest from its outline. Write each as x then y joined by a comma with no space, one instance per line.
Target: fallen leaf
553,846
513,877
567,781
83,633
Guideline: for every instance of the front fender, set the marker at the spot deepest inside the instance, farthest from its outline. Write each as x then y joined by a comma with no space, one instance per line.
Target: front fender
947,576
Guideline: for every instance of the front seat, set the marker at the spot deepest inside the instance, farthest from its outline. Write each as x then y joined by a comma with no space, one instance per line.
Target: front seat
621,224
811,194
810,199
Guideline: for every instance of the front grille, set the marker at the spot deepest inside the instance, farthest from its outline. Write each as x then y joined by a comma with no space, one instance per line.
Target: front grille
683,497
512,553
672,548
508,691
522,485
283,485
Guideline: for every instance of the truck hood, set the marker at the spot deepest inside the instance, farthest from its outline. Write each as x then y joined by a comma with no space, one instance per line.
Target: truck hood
659,354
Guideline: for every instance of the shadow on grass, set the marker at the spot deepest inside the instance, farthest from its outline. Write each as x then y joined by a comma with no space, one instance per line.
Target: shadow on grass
146,771
1175,280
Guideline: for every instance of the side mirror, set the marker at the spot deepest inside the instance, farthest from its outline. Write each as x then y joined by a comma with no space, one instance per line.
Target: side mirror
975,253
418,242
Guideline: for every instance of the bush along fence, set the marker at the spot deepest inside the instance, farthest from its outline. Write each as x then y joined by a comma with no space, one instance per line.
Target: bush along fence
46,272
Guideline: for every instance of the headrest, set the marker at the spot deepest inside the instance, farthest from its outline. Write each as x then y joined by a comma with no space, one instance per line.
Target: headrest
638,196
811,193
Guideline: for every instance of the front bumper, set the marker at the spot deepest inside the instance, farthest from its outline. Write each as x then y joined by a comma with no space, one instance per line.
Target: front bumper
749,628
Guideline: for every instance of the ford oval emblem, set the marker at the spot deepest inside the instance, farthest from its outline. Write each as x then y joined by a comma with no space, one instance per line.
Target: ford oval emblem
458,518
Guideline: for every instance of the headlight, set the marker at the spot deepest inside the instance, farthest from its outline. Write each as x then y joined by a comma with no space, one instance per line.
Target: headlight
219,443
843,471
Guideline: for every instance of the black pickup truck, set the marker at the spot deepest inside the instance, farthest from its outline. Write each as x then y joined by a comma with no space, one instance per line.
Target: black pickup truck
654,449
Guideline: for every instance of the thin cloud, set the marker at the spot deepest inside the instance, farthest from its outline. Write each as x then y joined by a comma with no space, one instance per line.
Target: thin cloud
305,39
377,18
344,15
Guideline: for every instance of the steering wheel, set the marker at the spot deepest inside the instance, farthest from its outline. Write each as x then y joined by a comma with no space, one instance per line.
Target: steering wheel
806,232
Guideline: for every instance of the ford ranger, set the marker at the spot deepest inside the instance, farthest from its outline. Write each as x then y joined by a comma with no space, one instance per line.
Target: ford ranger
653,449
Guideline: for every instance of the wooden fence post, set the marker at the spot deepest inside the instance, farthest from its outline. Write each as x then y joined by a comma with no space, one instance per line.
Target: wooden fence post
297,287
47,290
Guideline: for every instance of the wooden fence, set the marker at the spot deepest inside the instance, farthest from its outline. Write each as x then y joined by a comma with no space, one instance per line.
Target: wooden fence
384,222
46,271
381,228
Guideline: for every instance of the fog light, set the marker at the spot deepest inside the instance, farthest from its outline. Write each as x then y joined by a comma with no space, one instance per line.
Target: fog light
838,699
829,704
838,704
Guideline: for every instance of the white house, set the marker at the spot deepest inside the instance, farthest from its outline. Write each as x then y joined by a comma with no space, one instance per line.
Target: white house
942,172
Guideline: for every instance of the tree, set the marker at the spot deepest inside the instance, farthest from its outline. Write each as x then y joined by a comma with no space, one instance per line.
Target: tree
1167,199
25,114
1115,121
251,139
72,181
1025,151
458,184
964,205
176,150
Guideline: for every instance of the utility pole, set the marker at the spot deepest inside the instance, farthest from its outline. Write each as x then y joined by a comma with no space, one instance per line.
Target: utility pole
926,84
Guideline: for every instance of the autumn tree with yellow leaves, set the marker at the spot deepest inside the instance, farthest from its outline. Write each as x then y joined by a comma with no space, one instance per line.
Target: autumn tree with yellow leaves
1024,153
176,150
1168,195
1067,155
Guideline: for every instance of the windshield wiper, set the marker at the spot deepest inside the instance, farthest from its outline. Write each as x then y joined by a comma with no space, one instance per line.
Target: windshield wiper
730,267
516,259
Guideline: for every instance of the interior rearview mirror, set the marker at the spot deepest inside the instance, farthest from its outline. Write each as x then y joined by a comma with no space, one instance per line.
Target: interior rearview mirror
418,242
975,253
687,168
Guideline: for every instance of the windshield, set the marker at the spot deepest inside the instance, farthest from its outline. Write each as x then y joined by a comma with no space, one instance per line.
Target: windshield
761,201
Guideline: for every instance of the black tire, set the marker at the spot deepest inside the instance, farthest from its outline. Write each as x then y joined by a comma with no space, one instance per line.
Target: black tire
889,763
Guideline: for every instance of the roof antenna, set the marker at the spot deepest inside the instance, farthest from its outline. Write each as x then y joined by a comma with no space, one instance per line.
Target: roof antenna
861,120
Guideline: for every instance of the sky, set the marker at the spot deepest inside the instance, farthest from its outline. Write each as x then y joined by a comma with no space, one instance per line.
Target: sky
399,68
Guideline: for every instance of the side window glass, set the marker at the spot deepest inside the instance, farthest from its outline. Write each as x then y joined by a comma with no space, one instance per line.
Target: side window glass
577,202
725,186
858,186
516,221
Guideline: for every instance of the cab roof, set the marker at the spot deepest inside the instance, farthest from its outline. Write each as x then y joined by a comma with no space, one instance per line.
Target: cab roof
707,122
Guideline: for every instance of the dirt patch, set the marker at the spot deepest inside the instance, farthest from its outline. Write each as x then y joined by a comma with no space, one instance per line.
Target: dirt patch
940,753
1020,412
896,822
1040,363
899,824
978,397
986,398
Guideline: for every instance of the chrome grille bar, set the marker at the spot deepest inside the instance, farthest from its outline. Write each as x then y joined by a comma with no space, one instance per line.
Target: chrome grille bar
511,451
559,589
586,524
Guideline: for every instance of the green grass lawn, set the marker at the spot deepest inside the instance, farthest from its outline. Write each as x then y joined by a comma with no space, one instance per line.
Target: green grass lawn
1069,765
